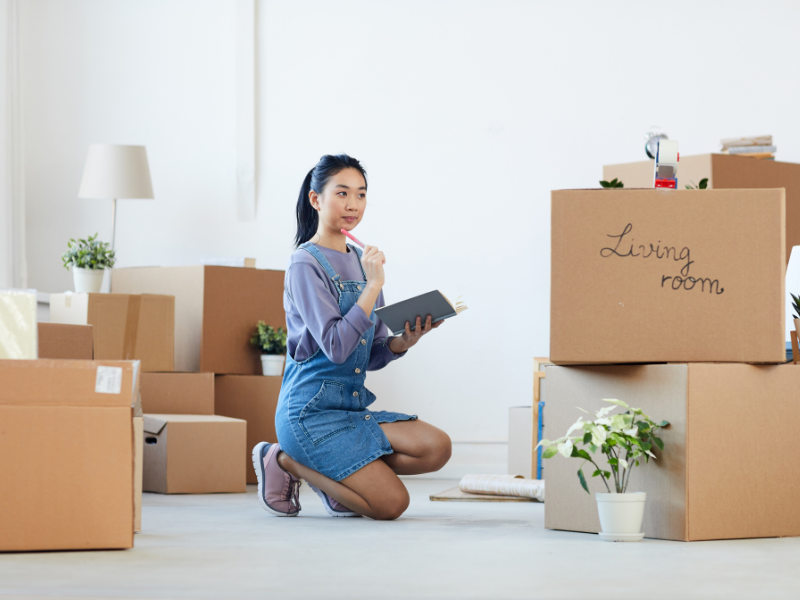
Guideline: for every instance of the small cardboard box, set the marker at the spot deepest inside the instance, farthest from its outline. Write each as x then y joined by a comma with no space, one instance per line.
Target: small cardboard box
193,454
125,326
725,171
178,393
253,398
66,454
73,342
718,476
138,457
642,276
217,309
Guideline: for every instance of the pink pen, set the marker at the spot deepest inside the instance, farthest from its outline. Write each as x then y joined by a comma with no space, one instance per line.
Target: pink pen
348,234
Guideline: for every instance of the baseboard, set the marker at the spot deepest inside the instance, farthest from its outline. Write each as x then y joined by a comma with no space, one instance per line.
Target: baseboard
478,458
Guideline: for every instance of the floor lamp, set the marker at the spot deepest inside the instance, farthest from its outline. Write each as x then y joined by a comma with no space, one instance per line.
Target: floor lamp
116,172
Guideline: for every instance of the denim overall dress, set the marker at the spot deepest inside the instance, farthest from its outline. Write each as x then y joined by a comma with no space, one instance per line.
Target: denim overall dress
322,419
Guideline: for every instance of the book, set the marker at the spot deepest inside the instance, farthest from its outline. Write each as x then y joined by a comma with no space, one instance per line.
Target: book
432,303
249,263
756,140
751,149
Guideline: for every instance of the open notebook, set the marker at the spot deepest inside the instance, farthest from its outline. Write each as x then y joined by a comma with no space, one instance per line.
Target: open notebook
433,303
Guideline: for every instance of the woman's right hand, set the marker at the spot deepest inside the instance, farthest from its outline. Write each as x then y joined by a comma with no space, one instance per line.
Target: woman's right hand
373,261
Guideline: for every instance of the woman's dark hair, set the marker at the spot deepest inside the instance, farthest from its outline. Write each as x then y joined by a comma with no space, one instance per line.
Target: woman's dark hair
317,178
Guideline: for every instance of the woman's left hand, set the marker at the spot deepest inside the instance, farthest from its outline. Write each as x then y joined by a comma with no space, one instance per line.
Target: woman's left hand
409,338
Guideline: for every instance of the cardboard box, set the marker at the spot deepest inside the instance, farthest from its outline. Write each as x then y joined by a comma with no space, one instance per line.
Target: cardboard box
66,454
217,309
125,326
520,442
253,398
178,393
73,342
642,276
138,457
719,477
193,454
726,171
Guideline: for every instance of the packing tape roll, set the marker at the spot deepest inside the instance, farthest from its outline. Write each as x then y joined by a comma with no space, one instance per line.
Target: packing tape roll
503,485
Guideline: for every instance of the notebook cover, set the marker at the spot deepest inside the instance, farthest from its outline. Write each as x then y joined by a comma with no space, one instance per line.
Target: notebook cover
432,303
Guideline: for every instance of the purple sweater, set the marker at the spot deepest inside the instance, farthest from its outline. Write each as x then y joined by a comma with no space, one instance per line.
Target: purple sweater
313,319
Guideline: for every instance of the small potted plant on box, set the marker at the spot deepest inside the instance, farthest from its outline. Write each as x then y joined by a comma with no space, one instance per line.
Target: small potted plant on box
624,439
272,343
89,259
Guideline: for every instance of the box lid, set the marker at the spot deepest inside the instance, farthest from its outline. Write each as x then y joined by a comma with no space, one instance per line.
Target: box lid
53,382
155,423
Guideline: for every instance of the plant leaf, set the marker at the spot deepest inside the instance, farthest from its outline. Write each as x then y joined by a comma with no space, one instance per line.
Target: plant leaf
583,480
549,452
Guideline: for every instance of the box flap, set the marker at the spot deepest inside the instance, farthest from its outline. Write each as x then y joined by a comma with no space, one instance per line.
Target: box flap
154,423
189,418
53,382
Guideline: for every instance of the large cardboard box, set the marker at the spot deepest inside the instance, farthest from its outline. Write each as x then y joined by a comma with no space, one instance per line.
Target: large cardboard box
193,454
217,309
66,454
124,326
646,276
720,476
73,342
725,171
253,398
178,393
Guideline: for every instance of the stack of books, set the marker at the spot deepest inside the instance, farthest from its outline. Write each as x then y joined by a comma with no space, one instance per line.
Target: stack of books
759,146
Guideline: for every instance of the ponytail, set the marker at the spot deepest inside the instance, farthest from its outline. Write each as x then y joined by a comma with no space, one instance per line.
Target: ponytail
317,178
307,217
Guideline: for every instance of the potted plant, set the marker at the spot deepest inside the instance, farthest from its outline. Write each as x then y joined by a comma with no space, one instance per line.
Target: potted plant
89,259
624,439
613,184
796,316
272,343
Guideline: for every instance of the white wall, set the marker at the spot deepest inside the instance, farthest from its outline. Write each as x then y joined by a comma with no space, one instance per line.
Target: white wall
466,114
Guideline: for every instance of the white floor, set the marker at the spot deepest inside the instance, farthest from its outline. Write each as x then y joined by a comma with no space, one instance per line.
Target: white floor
225,546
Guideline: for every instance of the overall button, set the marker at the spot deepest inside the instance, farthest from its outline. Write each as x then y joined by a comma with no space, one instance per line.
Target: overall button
355,394
359,288
358,370
367,418
363,342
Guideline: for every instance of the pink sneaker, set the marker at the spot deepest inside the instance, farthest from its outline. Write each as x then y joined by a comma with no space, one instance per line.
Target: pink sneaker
278,491
332,506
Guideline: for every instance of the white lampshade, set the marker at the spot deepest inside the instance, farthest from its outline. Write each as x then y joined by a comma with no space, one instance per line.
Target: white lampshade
114,171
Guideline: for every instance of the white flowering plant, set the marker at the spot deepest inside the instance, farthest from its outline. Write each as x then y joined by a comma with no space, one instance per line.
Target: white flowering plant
624,438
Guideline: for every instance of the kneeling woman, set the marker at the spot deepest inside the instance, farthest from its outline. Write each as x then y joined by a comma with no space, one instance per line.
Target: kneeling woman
350,456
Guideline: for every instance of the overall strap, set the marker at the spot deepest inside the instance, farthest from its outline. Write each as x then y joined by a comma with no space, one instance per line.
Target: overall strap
358,253
314,251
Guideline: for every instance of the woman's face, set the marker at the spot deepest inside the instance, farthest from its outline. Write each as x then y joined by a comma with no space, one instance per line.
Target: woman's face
342,202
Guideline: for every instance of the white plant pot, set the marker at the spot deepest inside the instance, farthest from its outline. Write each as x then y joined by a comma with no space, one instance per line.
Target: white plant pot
87,280
621,516
272,364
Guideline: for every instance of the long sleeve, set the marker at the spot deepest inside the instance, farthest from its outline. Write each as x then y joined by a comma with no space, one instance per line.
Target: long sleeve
381,355
336,335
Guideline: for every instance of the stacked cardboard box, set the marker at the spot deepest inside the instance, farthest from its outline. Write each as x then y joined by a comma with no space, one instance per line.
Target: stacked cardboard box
217,309
66,454
694,278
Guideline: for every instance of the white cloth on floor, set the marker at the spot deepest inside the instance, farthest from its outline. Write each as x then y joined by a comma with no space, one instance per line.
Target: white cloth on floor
503,485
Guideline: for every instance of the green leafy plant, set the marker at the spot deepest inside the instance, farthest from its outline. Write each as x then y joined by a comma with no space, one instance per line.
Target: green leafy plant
624,438
88,254
614,183
796,306
701,186
268,339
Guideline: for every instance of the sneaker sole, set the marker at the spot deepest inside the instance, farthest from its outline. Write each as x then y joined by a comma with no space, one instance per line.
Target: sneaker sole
258,465
331,512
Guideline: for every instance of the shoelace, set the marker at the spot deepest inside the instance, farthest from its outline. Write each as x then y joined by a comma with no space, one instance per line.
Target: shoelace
292,491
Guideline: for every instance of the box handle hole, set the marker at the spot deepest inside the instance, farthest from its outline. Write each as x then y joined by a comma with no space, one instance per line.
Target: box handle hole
150,440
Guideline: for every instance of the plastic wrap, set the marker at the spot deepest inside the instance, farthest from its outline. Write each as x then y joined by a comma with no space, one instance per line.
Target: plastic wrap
503,485
18,328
